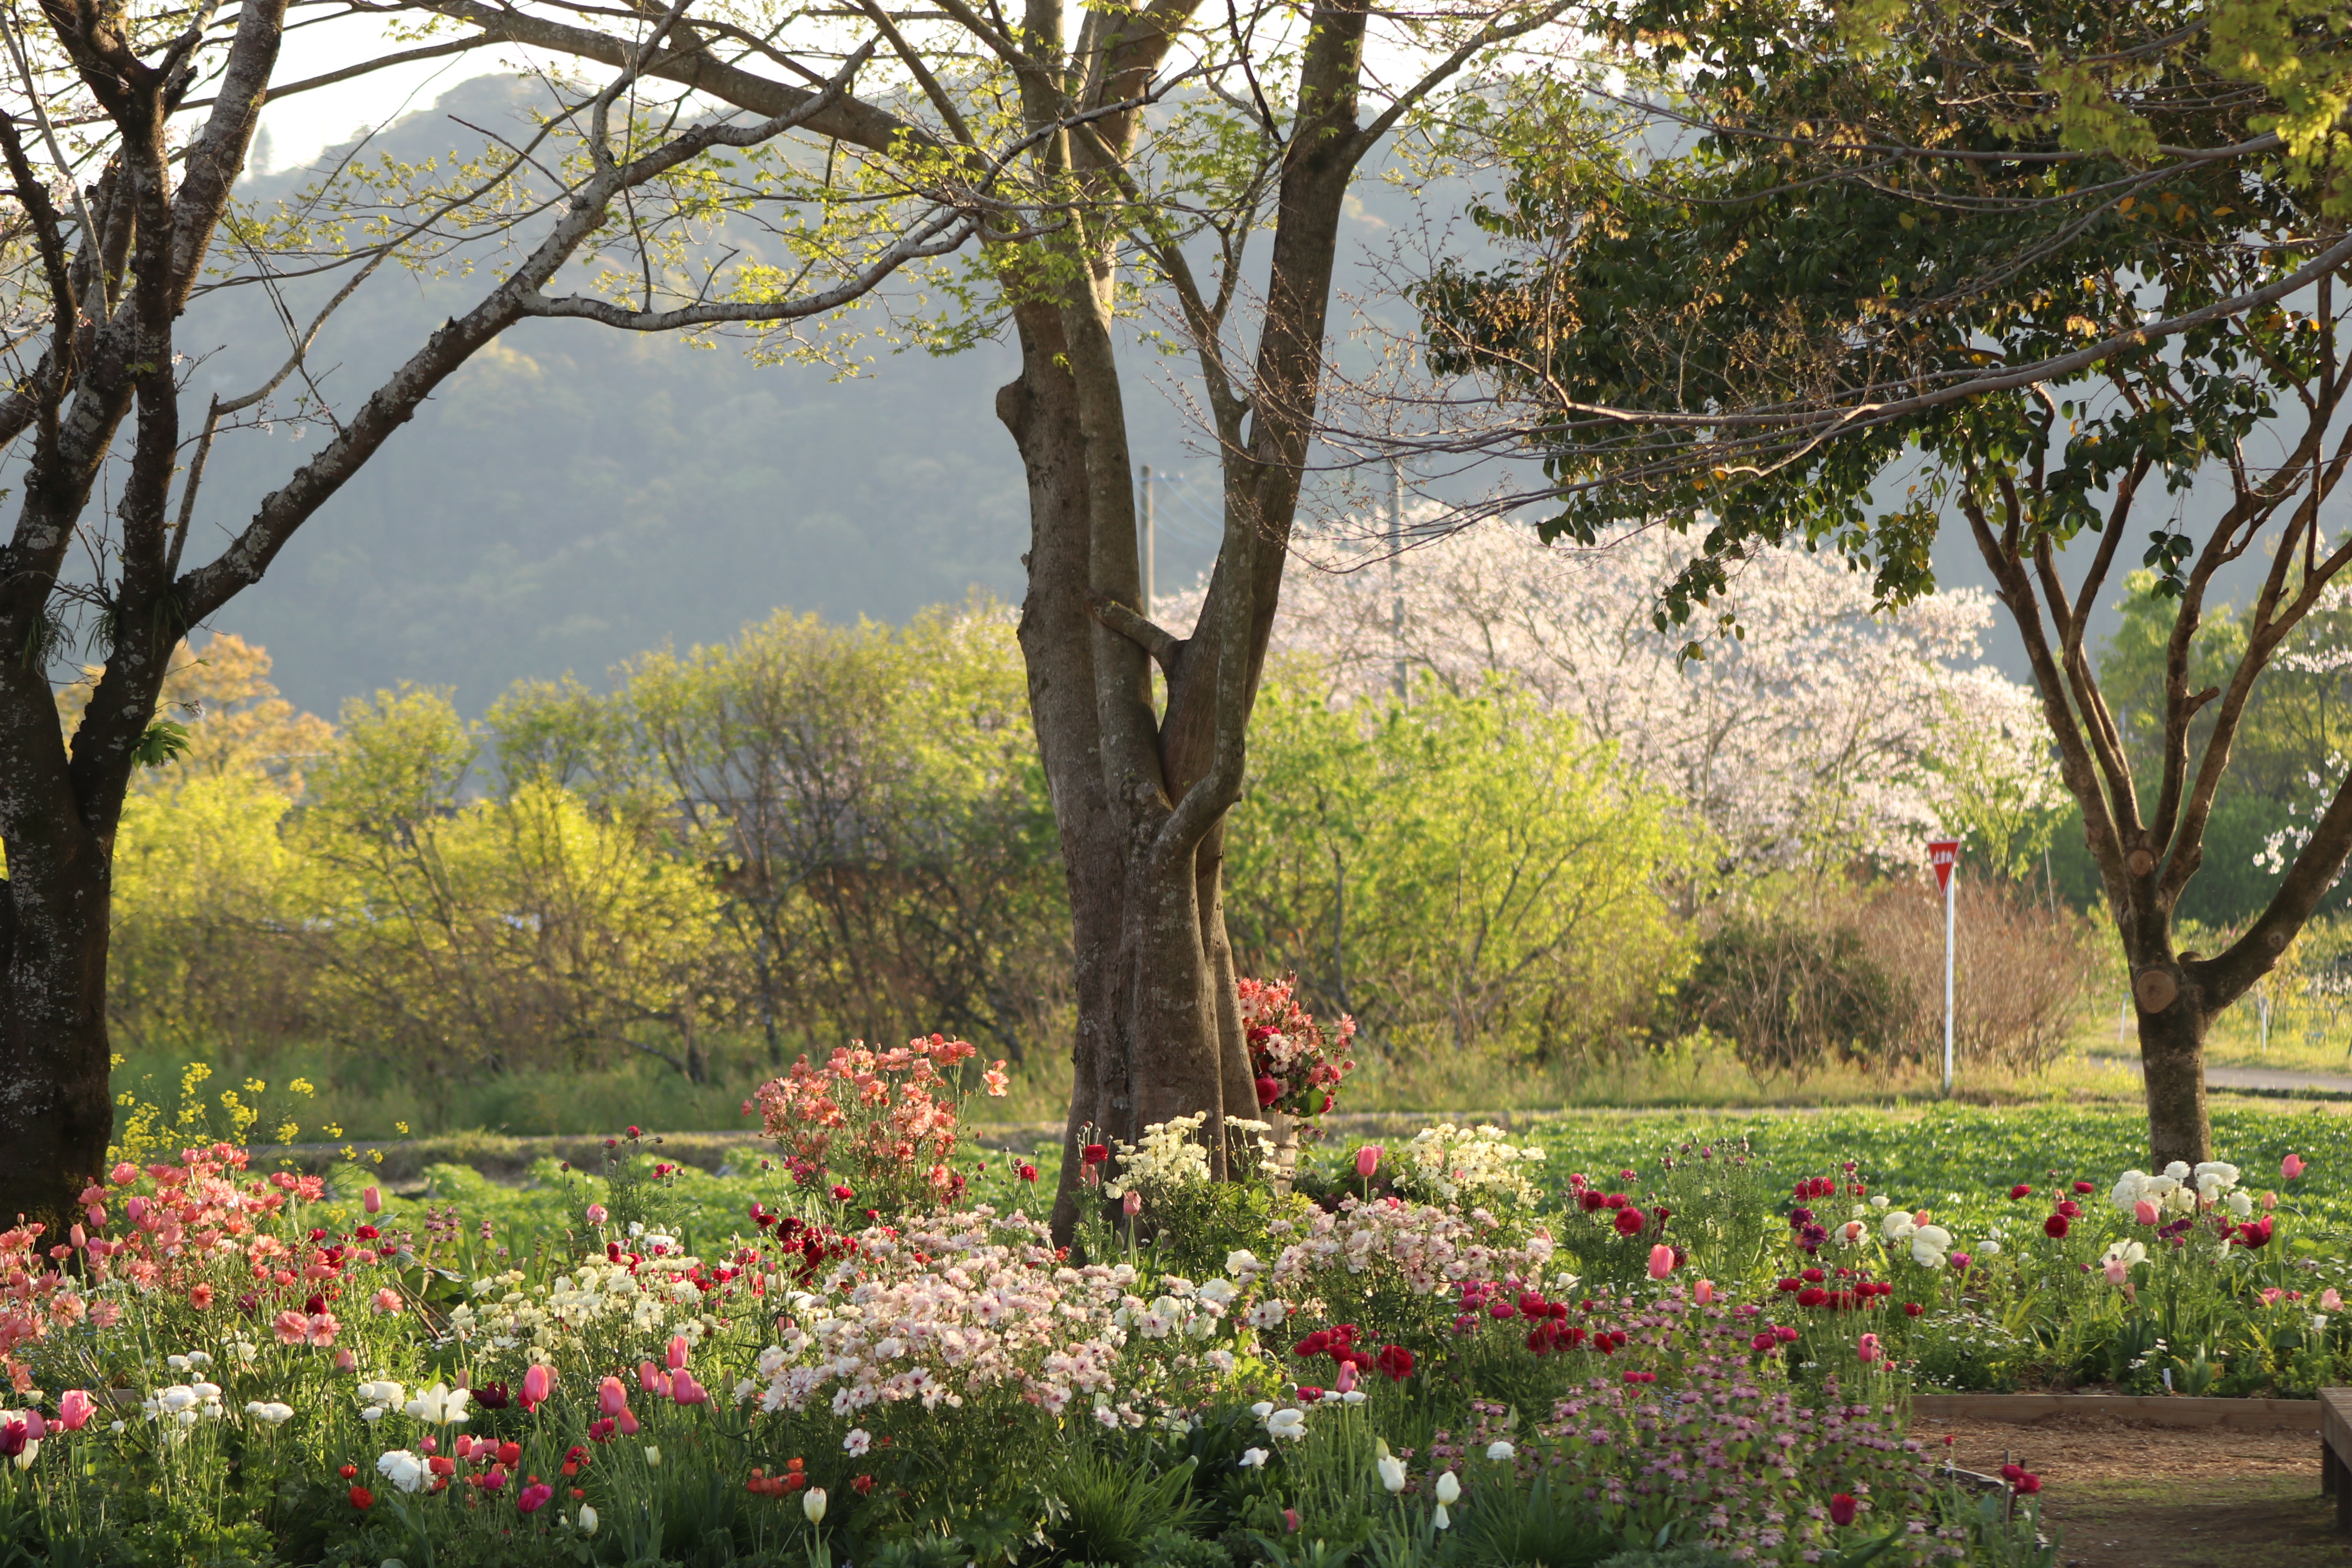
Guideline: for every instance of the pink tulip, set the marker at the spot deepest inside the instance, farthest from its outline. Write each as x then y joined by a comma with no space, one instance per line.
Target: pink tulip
534,1498
372,1201
2290,1167
2271,1296
1132,1203
79,1236
678,1349
1703,1292
2144,1211
1867,1349
1368,1159
612,1398
627,1422
650,1378
597,1215
686,1391
1347,1378
1662,1261
535,1386
36,1429
74,1408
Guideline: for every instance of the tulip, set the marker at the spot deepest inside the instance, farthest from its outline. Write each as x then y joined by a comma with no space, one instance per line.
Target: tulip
626,1421
612,1398
678,1349
534,1498
1368,1159
587,1519
74,1408
1133,1204
1347,1378
653,1455
1842,1509
347,1361
1391,1471
2144,1211
535,1387
1290,1516
2290,1167
1703,1292
813,1504
1449,1486
650,1379
686,1391
1662,1261
372,1201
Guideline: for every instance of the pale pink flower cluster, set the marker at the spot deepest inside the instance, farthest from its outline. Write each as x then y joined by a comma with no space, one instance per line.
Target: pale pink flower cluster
887,1119
959,1306
1426,1249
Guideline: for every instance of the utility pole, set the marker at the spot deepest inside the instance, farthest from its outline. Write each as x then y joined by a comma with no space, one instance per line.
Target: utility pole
1396,568
1148,542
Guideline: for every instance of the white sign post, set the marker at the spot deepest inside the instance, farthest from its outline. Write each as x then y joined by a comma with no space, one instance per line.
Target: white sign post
1943,854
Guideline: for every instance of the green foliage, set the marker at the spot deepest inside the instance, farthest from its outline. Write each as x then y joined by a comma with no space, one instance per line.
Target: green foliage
1461,871
1108,1512
1791,995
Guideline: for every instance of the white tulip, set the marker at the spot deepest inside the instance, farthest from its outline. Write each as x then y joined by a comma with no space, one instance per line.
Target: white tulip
587,1519
653,1455
1254,1458
1449,1486
813,1504
1439,1519
1391,1471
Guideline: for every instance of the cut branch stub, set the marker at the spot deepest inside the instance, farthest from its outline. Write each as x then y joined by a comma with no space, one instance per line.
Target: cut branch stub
2154,989
2141,862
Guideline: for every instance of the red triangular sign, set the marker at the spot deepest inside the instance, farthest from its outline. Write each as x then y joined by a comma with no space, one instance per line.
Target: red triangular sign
1943,854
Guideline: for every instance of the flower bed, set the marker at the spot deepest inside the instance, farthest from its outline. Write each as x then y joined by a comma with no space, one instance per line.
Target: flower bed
1467,1349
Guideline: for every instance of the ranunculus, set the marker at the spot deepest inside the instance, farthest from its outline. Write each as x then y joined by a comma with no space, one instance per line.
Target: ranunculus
289,1326
1269,1091
1842,1509
387,1300
1662,1261
1628,1220
1394,1361
2054,1228
597,1214
362,1498
200,1296
2020,1191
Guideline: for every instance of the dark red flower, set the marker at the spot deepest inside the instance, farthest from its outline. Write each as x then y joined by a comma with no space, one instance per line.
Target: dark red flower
1590,1199
2071,1209
2029,1483
1763,1341
2054,1226
1395,1360
1792,1284
1814,1275
1028,1172
1629,1220
2020,1191
1811,1295
1912,1309
1092,1155
2086,1186
861,1485
1842,1509
1268,1090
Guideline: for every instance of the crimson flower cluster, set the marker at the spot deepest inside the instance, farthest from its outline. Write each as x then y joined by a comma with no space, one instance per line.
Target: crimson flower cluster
1339,1343
1813,1287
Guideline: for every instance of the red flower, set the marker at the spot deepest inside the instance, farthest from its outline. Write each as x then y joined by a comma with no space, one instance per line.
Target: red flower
1842,1509
510,1454
2020,1191
1628,1220
1590,1199
1814,1275
2054,1226
2071,1209
2086,1188
843,1192
1792,1284
2029,1483
1092,1155
2255,1234
1396,1360
1269,1091
1763,1342
362,1498
861,1485
1028,1172
1811,1295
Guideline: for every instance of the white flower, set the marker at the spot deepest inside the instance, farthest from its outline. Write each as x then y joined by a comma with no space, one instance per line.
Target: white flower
2126,1252
1898,1226
1242,1263
1439,1519
2242,1203
1500,1451
199,1360
177,1362
1262,1409
403,1469
272,1412
653,1455
1267,1313
813,1504
857,1442
1928,1245
1449,1486
1220,1361
1879,1201
587,1519
382,1393
1254,1458
176,1398
1989,1247
1391,1471
1287,1423
373,1412
1218,1292
2129,1187
2178,1169
1353,1396
437,1405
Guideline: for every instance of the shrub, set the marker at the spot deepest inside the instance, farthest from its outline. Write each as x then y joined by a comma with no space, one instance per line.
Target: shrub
1792,993
2022,971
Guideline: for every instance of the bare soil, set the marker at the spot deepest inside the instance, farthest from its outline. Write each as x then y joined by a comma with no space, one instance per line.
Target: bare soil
2124,1494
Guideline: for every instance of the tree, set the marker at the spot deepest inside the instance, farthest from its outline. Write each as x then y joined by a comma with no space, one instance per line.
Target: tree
1825,732
1271,125
1801,260
98,276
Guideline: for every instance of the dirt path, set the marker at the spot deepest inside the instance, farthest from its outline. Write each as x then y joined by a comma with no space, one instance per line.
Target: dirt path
2125,1495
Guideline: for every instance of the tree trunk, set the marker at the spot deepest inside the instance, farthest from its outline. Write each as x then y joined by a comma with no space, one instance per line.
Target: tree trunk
57,1115
2172,1060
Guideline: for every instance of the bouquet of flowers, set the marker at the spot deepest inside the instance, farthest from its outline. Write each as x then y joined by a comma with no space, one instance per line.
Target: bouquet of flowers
1296,1069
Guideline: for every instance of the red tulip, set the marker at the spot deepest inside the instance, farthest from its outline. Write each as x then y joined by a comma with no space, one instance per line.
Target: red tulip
362,1498
1842,1509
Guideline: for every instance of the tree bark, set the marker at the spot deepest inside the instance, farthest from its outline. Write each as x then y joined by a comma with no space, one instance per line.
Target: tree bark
2172,1060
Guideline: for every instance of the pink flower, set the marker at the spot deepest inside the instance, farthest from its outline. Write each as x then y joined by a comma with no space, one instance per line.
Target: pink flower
1868,1348
1132,1203
372,1201
1368,1159
535,1386
322,1329
678,1349
2271,1296
686,1391
650,1378
627,1422
2117,1270
2290,1167
2144,1211
74,1408
290,1327
2329,1301
387,1300
1347,1378
200,1296
1662,1261
1703,1292
597,1215
612,1398
534,1498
